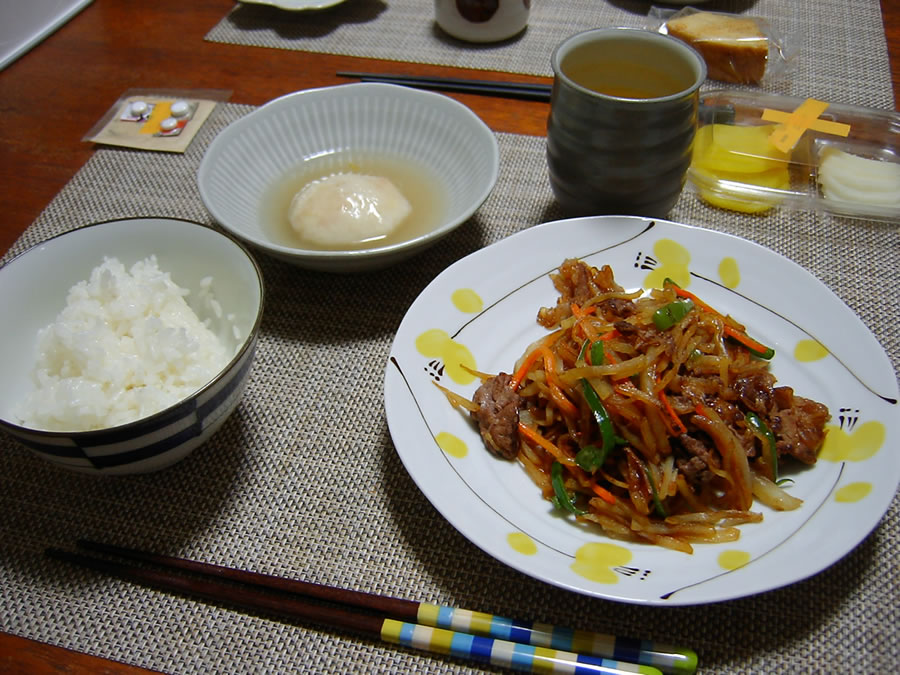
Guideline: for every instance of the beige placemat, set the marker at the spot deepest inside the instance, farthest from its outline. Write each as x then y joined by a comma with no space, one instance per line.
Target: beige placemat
303,480
841,52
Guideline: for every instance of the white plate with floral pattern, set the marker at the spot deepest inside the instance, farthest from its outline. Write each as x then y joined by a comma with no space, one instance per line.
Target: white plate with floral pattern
482,310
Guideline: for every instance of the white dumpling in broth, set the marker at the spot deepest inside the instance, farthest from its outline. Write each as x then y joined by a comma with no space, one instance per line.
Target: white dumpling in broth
347,208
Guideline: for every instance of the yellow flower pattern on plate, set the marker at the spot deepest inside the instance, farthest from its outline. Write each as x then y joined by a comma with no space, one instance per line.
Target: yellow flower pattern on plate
594,561
521,543
674,259
435,343
452,445
853,492
857,446
807,351
729,272
731,560
466,300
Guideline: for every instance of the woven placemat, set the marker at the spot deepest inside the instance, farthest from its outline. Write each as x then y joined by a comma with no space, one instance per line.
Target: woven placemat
303,480
838,48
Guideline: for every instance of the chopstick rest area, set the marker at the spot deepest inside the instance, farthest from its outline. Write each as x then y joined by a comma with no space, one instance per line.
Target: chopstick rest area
447,630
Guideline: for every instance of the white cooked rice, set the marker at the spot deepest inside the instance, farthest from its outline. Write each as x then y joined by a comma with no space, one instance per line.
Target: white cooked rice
126,345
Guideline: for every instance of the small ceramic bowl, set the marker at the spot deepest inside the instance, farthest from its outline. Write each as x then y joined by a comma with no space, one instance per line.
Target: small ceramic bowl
195,256
425,133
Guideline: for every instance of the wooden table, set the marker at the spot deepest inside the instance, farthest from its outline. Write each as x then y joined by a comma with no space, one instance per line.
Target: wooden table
54,94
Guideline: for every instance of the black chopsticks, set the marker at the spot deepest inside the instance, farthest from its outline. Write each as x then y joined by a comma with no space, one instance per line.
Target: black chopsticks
520,90
708,114
440,629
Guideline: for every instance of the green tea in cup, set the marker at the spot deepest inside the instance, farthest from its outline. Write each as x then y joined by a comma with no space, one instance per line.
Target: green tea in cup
622,121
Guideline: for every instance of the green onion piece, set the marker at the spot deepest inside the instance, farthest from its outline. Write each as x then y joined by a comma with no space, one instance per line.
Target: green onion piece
598,353
604,422
583,350
563,499
657,502
668,315
759,429
767,355
590,457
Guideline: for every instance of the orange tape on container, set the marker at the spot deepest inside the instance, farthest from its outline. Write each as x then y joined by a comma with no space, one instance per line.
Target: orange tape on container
794,124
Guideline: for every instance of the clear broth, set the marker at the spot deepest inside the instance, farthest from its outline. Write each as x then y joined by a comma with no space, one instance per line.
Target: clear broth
420,186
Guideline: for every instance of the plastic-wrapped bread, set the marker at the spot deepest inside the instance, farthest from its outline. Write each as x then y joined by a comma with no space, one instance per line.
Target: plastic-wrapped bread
735,48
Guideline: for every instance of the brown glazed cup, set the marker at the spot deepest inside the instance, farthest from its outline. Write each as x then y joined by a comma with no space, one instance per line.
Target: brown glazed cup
623,115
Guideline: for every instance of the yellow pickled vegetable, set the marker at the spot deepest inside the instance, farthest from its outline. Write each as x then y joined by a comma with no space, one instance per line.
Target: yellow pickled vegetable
730,162
714,188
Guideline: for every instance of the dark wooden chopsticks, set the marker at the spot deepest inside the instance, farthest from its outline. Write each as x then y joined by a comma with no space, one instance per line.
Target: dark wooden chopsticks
442,629
708,114
520,90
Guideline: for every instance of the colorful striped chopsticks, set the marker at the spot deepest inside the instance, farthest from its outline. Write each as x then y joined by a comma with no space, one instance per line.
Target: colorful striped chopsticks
666,658
441,629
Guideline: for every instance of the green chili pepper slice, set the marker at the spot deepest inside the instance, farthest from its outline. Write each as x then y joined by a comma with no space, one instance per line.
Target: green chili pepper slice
590,457
604,421
756,348
668,315
562,498
759,429
766,354
598,353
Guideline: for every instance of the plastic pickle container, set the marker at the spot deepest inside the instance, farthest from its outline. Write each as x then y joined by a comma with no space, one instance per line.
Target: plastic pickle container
757,152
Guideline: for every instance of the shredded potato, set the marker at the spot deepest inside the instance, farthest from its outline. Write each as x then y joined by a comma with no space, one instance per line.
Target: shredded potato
648,414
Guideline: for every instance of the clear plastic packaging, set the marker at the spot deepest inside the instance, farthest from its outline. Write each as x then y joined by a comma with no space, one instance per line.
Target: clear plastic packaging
756,152
737,48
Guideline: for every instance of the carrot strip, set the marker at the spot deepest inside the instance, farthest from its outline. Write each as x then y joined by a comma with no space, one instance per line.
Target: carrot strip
697,301
603,493
606,337
579,313
565,405
523,369
745,340
535,437
585,328
679,425
728,329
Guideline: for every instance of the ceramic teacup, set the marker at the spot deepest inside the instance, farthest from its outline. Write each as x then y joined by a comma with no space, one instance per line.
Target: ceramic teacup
482,20
623,116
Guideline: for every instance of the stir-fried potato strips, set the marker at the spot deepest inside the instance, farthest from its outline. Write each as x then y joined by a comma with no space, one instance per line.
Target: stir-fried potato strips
649,414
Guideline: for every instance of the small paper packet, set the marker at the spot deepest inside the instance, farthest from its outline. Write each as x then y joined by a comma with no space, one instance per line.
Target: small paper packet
160,120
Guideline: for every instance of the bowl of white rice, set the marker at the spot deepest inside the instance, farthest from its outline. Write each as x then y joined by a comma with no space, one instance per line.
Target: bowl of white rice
134,342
